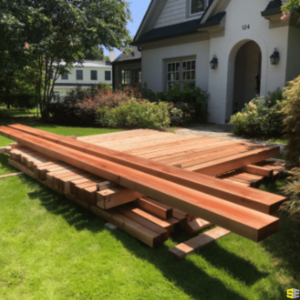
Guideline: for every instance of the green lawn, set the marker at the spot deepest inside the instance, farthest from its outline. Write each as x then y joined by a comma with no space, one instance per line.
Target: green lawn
17,112
51,248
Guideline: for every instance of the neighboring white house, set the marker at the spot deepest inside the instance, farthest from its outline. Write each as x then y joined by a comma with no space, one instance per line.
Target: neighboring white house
220,46
85,75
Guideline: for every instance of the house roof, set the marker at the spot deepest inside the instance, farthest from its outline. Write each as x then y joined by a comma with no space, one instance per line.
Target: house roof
91,63
273,8
178,29
134,55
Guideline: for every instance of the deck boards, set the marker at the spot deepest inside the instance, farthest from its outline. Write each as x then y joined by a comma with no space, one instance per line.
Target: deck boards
147,219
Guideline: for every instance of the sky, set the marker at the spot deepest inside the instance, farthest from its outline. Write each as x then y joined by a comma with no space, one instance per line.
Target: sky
138,9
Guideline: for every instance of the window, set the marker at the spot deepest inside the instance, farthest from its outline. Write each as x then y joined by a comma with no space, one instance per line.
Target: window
65,76
79,74
107,75
94,75
56,97
181,74
126,77
197,6
136,76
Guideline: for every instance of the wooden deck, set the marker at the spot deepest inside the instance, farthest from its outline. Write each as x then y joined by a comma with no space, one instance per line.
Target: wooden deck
148,219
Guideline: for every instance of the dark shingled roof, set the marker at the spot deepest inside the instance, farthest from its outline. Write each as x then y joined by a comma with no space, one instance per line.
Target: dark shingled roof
178,29
273,8
136,54
215,20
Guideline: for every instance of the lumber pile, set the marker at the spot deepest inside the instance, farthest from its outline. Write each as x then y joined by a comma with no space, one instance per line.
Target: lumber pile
121,187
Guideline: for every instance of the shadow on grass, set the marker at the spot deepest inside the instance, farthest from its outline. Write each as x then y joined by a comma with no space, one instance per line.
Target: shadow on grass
285,244
5,167
193,280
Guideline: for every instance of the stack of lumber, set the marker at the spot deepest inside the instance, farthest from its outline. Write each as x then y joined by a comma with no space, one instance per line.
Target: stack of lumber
121,187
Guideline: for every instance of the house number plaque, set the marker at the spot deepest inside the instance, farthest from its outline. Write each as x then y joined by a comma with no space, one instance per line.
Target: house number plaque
245,27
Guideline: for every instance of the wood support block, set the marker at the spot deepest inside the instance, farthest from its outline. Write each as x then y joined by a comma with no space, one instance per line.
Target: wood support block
156,208
4,149
116,196
101,186
197,225
135,229
188,247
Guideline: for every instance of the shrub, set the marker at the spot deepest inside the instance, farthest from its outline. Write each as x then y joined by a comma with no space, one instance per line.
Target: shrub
292,189
23,100
80,107
291,110
192,101
260,118
135,114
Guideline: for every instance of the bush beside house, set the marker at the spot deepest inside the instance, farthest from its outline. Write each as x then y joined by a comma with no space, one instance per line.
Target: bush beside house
261,118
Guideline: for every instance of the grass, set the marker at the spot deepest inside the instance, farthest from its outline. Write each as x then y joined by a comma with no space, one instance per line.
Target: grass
17,112
278,141
53,249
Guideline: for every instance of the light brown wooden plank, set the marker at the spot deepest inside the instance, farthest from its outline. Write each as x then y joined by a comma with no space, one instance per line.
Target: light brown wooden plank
188,247
135,229
155,208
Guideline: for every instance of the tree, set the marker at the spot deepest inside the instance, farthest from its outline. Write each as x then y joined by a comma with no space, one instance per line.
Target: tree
290,8
95,53
13,58
56,32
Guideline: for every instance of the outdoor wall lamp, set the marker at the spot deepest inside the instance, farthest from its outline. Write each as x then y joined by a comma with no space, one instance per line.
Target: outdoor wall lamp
275,57
214,63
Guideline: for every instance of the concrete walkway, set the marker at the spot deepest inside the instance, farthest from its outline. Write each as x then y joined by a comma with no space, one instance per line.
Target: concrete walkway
221,132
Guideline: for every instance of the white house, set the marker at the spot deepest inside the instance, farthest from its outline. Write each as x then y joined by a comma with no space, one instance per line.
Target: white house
220,46
83,75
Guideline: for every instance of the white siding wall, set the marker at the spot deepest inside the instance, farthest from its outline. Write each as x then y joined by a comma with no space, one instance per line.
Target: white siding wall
220,82
174,12
293,58
87,76
154,65
267,35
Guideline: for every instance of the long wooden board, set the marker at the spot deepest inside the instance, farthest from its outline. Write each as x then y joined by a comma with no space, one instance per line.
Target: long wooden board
182,250
246,222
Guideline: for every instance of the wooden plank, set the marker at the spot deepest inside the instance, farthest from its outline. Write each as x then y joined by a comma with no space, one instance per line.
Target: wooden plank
188,247
258,170
11,175
161,223
246,222
126,211
254,199
135,229
235,162
115,197
197,225
155,208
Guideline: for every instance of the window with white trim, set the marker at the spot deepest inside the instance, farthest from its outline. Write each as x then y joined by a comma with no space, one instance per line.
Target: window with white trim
94,75
79,74
181,74
197,6
56,97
